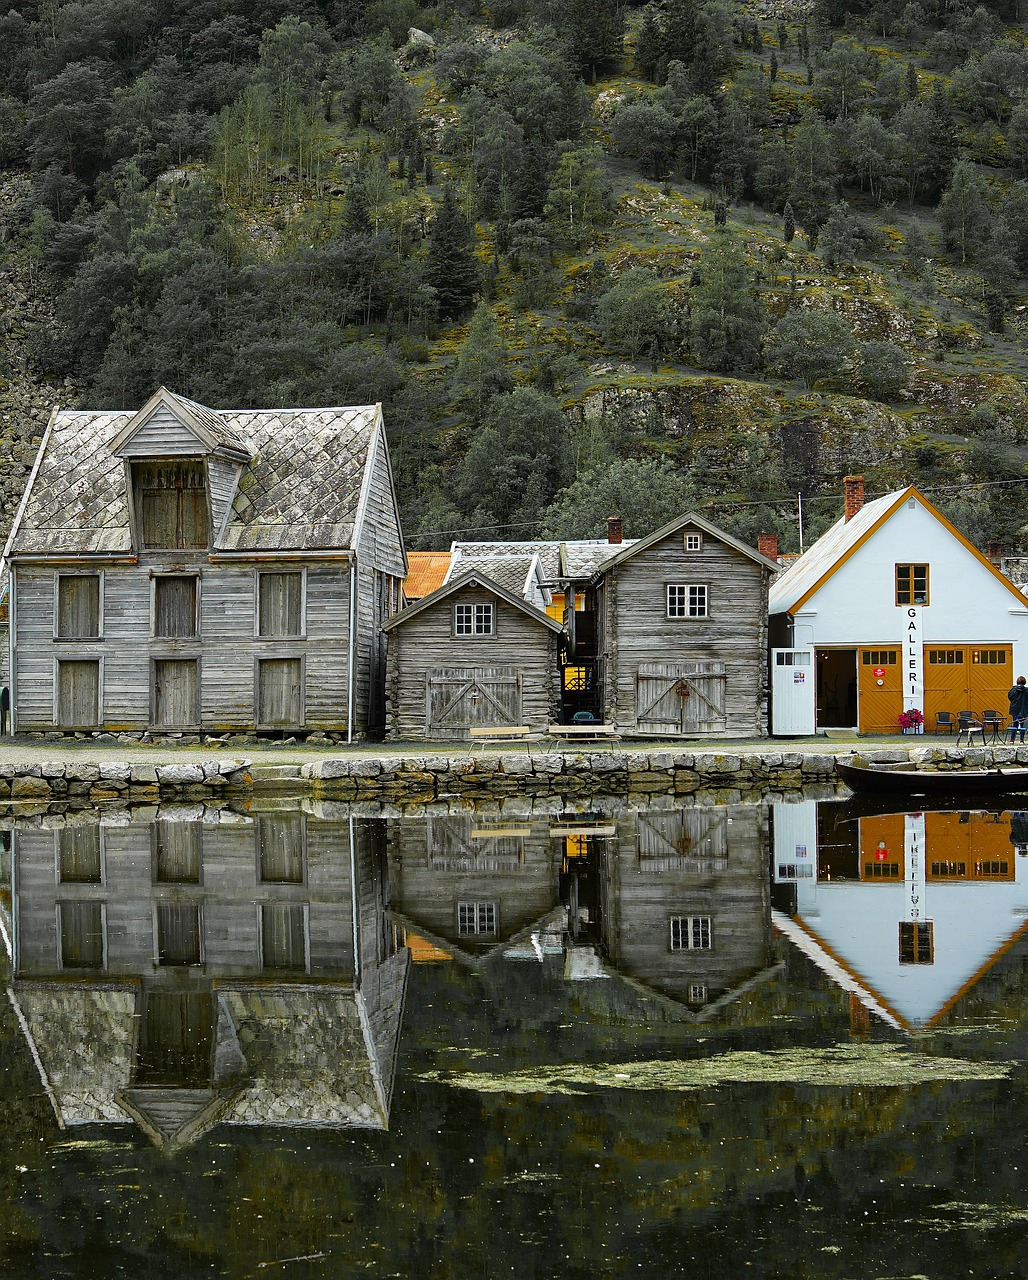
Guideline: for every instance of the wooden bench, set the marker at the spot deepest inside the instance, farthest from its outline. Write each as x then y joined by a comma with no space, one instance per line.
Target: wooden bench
491,734
585,731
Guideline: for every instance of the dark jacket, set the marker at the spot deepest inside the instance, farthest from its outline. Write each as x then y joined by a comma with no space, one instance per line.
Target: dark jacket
1018,699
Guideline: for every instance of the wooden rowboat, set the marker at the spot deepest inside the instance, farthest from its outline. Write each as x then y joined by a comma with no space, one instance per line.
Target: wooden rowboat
865,777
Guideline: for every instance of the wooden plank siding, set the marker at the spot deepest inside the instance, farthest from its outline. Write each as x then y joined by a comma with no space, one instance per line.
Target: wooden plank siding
638,637
225,644
683,863
522,651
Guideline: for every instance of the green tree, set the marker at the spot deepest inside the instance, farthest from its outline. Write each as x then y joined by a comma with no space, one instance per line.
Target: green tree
842,84
450,266
635,313
578,199
965,211
810,344
647,493
814,171
884,369
728,318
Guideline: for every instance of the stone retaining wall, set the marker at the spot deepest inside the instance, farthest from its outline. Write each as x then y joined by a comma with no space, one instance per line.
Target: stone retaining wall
488,776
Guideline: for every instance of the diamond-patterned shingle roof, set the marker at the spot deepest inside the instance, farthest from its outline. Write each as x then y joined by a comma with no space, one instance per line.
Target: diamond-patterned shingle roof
300,491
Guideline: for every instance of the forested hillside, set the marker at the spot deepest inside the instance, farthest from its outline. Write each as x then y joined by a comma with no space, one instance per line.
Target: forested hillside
591,258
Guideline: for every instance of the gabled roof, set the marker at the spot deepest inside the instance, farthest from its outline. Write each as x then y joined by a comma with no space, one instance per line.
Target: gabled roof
209,430
805,576
300,489
472,579
548,552
674,526
520,572
426,572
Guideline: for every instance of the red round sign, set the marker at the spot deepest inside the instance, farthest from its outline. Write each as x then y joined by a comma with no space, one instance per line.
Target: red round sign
879,672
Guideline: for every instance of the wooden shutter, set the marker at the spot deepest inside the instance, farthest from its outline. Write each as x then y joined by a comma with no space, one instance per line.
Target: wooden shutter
280,848
283,937
279,606
78,851
178,933
280,692
172,498
82,938
177,852
78,606
175,606
175,693
78,694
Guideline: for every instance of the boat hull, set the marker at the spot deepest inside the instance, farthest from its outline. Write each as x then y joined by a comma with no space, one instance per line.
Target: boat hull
915,782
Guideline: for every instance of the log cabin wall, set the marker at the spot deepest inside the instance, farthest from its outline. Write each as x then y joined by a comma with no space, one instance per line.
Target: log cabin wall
133,607
654,662
512,676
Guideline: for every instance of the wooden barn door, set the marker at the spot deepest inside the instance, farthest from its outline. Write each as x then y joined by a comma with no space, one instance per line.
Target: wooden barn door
78,695
280,692
462,698
175,693
880,689
991,673
680,697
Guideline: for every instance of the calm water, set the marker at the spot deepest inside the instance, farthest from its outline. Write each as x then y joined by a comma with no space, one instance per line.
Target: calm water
769,1039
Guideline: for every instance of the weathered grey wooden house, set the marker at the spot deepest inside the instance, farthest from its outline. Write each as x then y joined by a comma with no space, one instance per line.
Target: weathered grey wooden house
191,972
186,568
471,654
672,639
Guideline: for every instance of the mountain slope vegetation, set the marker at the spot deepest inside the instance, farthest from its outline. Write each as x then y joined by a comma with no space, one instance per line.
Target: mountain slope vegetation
591,258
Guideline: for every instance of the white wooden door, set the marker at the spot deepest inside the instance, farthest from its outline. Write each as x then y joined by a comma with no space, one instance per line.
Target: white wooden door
793,692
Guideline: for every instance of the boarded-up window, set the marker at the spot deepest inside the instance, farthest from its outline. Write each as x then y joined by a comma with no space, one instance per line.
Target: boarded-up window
172,503
78,606
78,854
174,606
280,838
283,936
280,604
175,693
78,694
178,933
176,1038
177,852
280,692
82,935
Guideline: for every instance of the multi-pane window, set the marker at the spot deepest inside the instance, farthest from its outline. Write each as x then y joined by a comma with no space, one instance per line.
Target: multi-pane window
795,871
881,870
694,541
172,503
945,657
688,600
916,942
473,620
476,918
78,606
878,657
697,993
911,584
174,606
691,933
989,657
991,867
280,604
947,869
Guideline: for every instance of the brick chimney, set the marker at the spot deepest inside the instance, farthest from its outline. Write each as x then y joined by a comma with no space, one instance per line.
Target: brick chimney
767,545
615,530
853,493
994,553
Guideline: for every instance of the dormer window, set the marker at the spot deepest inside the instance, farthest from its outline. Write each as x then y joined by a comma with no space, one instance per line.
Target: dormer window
171,504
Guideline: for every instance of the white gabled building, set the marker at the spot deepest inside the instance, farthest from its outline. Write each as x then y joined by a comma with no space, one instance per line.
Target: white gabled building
891,609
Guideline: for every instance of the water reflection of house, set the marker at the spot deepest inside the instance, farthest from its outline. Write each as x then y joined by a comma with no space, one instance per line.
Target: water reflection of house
188,973
905,911
687,909
469,884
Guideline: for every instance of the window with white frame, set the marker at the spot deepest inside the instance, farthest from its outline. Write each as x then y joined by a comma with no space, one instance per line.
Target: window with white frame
476,918
694,542
688,600
697,993
691,933
474,620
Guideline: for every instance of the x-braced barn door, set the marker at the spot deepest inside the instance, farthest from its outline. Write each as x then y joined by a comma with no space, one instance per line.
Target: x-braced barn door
681,697
460,698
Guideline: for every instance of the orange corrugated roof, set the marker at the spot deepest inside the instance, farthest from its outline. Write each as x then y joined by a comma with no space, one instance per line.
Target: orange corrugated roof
426,571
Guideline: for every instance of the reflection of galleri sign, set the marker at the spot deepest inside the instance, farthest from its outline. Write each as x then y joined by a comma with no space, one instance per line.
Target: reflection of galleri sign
913,660
914,851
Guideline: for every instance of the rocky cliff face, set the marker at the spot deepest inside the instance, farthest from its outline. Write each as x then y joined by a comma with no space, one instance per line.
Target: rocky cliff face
26,300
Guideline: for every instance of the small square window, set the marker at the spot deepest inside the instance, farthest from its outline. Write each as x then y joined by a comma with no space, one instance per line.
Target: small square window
916,942
474,918
694,542
687,600
691,933
473,620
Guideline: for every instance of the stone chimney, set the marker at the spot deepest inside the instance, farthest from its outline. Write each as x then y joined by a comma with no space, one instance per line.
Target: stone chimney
767,545
615,530
994,553
853,493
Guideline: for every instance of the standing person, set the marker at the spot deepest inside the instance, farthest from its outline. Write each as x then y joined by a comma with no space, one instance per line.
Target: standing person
1018,699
